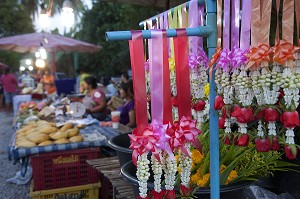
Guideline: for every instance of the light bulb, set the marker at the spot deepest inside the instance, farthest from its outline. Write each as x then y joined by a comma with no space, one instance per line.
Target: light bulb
40,63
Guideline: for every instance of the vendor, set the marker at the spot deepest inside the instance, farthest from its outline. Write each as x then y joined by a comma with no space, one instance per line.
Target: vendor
94,100
48,81
127,116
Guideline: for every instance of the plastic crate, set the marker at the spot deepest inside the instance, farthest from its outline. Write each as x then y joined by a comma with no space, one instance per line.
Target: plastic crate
64,168
89,191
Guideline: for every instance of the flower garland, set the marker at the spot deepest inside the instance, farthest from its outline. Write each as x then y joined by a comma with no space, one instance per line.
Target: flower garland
198,79
173,89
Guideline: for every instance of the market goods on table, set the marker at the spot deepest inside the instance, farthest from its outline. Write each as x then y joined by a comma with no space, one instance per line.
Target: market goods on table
43,133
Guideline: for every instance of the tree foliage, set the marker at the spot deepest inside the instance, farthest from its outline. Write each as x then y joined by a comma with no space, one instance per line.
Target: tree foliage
14,19
113,58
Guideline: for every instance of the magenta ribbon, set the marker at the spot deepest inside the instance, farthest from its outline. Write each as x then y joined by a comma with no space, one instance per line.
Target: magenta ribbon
225,60
238,57
246,24
235,23
226,24
195,19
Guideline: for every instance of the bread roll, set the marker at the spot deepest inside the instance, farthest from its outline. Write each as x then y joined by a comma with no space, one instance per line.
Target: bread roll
62,141
77,138
37,137
72,132
59,135
45,143
47,129
66,127
25,143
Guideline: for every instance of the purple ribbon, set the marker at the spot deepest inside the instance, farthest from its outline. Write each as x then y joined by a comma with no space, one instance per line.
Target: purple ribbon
235,23
238,57
195,19
225,60
226,24
245,28
195,59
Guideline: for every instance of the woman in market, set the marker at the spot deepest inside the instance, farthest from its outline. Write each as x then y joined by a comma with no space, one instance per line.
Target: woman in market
94,100
48,81
127,116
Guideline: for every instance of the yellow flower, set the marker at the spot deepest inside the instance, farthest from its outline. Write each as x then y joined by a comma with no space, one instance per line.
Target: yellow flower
172,64
222,168
206,90
176,158
179,169
233,174
195,178
202,182
197,157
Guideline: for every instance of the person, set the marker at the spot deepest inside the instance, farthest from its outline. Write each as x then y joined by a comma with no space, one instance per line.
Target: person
111,89
48,81
127,116
124,77
94,100
82,74
10,84
25,80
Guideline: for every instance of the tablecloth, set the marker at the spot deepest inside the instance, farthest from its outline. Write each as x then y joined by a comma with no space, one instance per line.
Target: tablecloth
16,154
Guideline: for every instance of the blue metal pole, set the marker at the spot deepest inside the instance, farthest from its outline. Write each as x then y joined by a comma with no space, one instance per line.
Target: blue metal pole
202,31
154,18
211,7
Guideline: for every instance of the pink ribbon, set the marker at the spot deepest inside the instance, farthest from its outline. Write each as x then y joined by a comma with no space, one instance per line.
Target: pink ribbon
156,59
186,132
143,143
163,143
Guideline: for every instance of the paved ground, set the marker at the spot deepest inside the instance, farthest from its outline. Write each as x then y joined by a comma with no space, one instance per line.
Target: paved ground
7,168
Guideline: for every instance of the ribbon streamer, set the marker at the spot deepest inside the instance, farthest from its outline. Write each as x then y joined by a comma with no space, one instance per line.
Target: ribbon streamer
138,76
182,74
297,11
195,16
245,26
156,60
288,21
235,23
219,23
226,24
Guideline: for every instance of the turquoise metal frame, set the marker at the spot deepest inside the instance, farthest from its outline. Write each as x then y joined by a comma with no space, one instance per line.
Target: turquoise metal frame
209,31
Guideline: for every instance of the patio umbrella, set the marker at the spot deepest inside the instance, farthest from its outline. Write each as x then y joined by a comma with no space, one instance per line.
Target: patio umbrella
26,43
52,43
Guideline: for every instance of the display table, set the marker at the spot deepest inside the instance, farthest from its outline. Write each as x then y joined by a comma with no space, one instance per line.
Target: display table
16,154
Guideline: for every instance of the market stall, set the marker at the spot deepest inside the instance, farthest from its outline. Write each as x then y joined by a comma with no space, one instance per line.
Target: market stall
252,101
56,140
